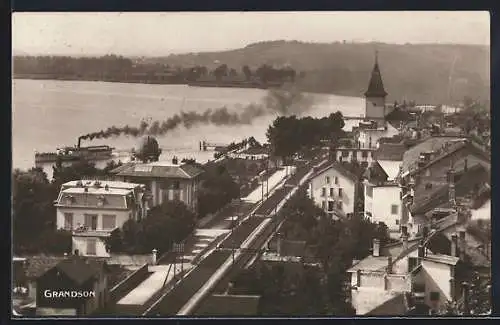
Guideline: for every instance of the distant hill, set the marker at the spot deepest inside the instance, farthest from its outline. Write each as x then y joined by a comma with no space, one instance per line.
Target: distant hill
419,72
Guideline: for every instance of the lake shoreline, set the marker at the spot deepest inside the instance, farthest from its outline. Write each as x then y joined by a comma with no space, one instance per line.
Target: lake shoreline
162,82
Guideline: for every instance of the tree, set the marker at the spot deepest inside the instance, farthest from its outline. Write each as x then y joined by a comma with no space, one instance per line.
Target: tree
165,224
218,189
221,71
247,72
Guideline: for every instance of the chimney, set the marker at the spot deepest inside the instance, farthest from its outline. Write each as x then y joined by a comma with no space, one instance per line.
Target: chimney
376,247
454,245
461,245
77,252
106,187
358,278
465,165
79,141
154,254
404,239
174,160
389,265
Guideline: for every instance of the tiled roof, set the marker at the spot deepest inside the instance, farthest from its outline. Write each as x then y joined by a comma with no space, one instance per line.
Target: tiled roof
38,265
79,269
476,174
390,151
371,263
411,156
186,171
375,173
343,168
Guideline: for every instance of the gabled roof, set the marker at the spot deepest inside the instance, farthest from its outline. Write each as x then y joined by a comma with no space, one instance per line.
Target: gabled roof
114,199
475,175
375,174
390,151
376,86
371,263
411,156
38,265
158,170
79,269
343,168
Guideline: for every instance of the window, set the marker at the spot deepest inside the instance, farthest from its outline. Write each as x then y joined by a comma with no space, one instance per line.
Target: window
108,221
91,247
328,179
345,153
323,192
339,206
323,205
336,180
331,192
369,191
176,185
397,222
177,196
91,221
68,221
428,186
394,209
340,193
364,154
428,172
330,205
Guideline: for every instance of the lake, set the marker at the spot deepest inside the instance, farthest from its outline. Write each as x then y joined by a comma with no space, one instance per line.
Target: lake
48,113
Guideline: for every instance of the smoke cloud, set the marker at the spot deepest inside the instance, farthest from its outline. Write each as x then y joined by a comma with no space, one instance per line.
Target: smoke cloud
276,102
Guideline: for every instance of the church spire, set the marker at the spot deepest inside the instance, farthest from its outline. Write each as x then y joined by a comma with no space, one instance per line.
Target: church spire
376,86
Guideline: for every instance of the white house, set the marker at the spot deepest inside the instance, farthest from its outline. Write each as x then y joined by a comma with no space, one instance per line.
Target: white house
93,209
383,204
334,188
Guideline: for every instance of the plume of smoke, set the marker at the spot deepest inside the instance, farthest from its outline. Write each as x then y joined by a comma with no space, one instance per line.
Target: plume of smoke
281,102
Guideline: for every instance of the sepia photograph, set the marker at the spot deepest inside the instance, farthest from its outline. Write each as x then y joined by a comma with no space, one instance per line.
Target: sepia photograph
251,164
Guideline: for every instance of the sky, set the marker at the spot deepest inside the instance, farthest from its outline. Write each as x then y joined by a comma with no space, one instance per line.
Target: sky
156,34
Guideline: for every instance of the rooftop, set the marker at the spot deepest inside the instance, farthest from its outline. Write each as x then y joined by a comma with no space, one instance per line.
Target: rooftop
441,258
38,265
371,263
80,269
390,151
110,184
345,168
91,190
160,169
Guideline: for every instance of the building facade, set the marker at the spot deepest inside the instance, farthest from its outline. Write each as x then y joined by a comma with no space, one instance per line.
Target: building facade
94,209
335,189
165,181
383,204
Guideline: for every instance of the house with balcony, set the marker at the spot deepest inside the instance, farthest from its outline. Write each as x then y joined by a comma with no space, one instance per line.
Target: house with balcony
165,181
335,188
92,210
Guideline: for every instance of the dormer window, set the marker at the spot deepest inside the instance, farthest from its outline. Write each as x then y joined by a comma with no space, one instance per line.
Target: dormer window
69,199
101,200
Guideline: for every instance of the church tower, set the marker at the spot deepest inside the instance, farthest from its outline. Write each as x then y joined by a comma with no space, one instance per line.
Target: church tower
375,96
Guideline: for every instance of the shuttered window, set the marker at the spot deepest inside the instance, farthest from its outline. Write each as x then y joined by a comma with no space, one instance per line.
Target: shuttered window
108,221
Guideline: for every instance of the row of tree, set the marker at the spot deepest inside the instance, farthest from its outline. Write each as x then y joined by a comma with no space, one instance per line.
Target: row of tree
289,135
